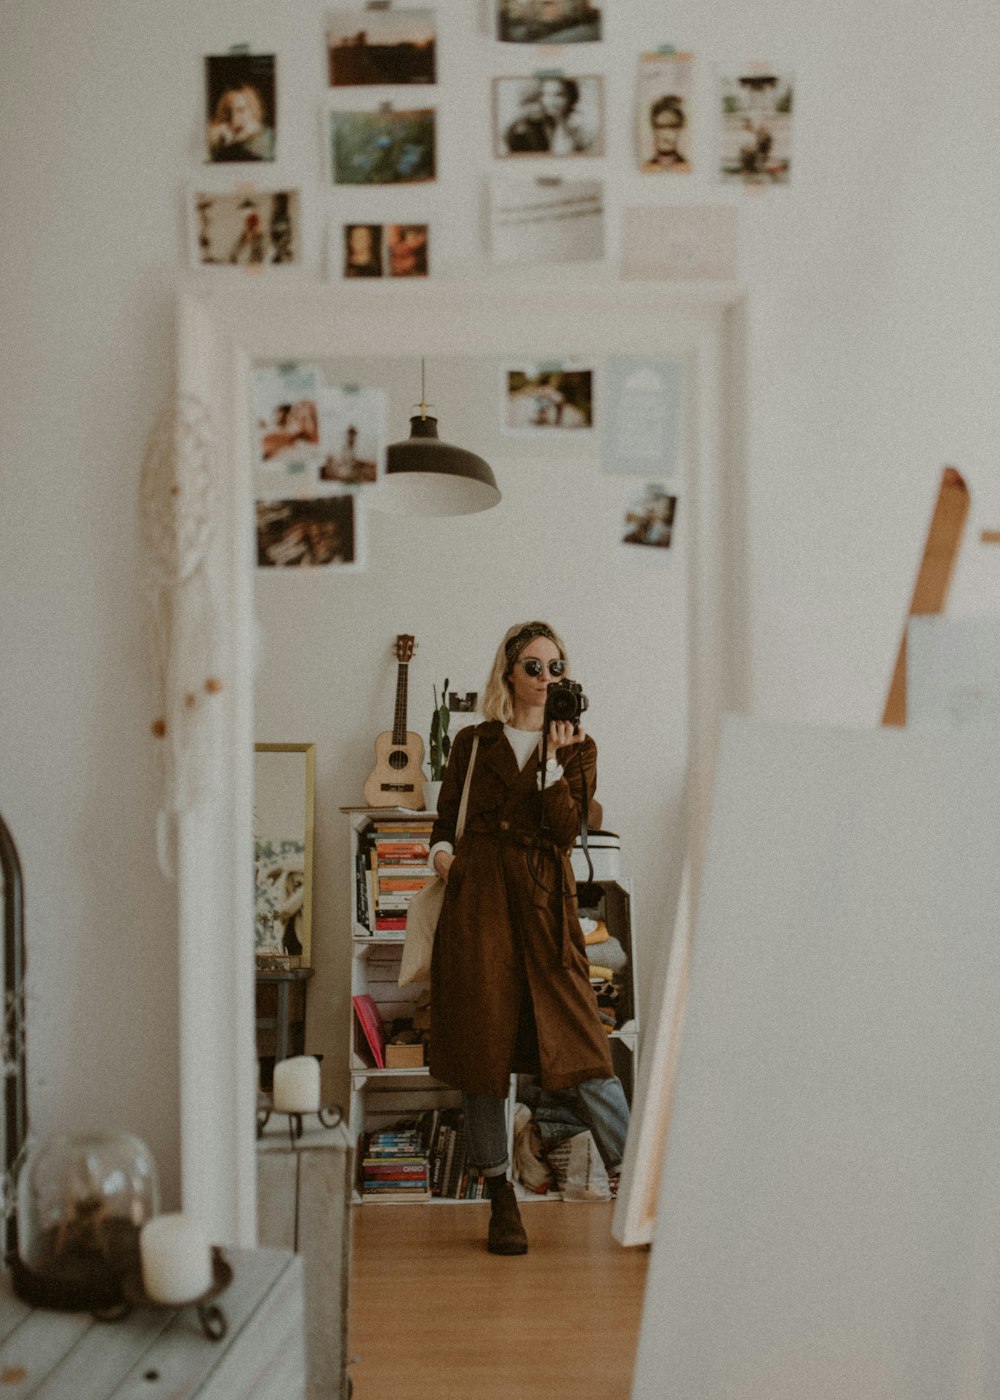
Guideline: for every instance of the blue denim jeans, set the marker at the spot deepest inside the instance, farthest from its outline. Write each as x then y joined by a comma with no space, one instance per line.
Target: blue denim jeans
597,1104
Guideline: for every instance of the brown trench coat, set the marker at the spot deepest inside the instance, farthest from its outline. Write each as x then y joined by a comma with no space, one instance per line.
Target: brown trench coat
510,989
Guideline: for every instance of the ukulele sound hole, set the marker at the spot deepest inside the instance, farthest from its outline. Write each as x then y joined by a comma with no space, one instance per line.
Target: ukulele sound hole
399,758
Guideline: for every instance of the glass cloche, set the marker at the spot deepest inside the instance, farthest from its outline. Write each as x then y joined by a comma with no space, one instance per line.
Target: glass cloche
82,1199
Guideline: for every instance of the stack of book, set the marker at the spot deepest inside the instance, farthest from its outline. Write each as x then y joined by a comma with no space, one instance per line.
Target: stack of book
450,1176
395,1166
393,863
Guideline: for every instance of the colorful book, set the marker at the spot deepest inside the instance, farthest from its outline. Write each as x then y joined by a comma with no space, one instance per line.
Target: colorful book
370,1022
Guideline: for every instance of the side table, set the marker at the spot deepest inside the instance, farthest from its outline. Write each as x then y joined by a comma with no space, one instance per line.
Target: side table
162,1353
275,1012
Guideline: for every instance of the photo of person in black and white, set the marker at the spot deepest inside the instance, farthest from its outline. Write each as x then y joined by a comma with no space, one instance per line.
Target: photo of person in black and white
556,116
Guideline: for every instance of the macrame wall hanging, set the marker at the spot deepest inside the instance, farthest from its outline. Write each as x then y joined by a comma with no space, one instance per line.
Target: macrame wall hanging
179,514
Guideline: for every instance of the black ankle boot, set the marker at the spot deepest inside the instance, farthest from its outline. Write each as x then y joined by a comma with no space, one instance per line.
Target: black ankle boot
506,1234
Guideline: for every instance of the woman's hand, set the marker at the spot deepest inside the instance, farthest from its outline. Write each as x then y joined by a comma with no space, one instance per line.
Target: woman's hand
443,862
562,735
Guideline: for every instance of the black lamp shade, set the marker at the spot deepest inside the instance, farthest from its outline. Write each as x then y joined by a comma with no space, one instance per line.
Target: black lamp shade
425,476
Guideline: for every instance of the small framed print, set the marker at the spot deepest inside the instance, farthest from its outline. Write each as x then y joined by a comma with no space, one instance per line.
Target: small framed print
548,115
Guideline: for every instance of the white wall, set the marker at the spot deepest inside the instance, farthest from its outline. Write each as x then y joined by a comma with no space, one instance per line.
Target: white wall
873,336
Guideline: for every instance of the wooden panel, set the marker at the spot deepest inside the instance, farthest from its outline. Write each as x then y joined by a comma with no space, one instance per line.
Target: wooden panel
304,1195
933,577
435,1317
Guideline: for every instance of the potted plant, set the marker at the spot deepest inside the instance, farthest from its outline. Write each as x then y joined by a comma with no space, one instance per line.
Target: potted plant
438,748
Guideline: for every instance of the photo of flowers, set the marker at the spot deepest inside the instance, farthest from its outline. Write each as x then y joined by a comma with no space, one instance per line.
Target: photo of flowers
382,147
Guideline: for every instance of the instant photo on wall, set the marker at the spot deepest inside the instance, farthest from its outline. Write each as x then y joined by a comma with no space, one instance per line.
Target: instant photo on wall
649,518
663,121
241,121
379,250
547,21
383,147
548,115
548,399
756,128
546,220
249,230
286,419
304,533
391,47
642,417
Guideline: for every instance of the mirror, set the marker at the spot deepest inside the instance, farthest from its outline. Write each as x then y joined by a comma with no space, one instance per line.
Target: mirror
693,625
283,805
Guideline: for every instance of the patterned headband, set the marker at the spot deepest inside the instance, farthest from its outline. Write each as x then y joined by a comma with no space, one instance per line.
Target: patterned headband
523,637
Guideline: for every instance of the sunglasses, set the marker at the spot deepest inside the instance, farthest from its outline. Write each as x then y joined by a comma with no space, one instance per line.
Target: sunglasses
533,667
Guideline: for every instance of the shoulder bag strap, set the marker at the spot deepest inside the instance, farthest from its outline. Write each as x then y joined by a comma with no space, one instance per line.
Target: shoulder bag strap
460,826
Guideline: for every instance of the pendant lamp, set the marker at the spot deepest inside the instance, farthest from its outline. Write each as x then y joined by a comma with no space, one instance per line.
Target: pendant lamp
425,476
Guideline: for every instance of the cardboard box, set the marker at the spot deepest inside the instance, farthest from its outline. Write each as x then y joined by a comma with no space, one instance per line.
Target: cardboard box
404,1056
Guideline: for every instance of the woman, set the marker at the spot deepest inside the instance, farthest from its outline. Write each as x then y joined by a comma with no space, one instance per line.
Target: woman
549,121
238,130
510,976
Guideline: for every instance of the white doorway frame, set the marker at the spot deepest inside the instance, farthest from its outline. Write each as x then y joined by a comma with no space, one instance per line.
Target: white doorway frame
223,328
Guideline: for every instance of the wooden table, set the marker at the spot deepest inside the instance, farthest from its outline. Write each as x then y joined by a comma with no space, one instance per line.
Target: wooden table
162,1353
304,1203
281,1022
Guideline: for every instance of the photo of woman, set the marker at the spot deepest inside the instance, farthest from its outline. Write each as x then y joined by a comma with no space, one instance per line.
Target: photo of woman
510,972
553,116
240,94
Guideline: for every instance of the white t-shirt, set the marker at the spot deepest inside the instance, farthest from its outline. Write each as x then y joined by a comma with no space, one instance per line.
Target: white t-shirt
526,744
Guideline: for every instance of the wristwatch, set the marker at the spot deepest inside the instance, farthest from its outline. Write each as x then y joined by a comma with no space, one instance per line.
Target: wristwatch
551,764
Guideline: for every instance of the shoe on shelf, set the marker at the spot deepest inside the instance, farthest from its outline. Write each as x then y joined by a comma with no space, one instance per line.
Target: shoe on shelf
506,1233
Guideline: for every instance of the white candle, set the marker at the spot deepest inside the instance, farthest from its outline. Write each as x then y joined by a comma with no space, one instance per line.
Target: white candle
296,1085
176,1260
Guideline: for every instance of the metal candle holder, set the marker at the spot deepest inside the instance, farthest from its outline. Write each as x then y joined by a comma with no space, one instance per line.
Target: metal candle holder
329,1117
210,1315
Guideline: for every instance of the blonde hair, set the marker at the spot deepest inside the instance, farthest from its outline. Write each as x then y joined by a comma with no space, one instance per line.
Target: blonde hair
497,701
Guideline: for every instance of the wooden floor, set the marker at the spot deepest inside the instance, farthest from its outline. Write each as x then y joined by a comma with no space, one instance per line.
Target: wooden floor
434,1315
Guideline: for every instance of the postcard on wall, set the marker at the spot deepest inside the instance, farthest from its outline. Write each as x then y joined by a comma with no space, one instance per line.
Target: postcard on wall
642,416
689,243
353,431
248,230
649,519
241,110
546,220
547,399
379,250
548,115
286,418
756,128
663,133
547,21
368,46
311,532
383,147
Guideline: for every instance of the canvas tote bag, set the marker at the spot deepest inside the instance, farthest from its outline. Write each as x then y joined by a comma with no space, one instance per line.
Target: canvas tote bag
424,909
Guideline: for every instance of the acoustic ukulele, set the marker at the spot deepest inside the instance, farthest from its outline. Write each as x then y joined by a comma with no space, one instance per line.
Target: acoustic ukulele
396,779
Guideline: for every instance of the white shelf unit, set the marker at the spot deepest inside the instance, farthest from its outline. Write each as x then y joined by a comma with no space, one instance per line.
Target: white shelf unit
381,1096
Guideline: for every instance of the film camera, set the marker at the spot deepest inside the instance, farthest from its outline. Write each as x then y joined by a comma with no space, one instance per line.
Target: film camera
565,701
